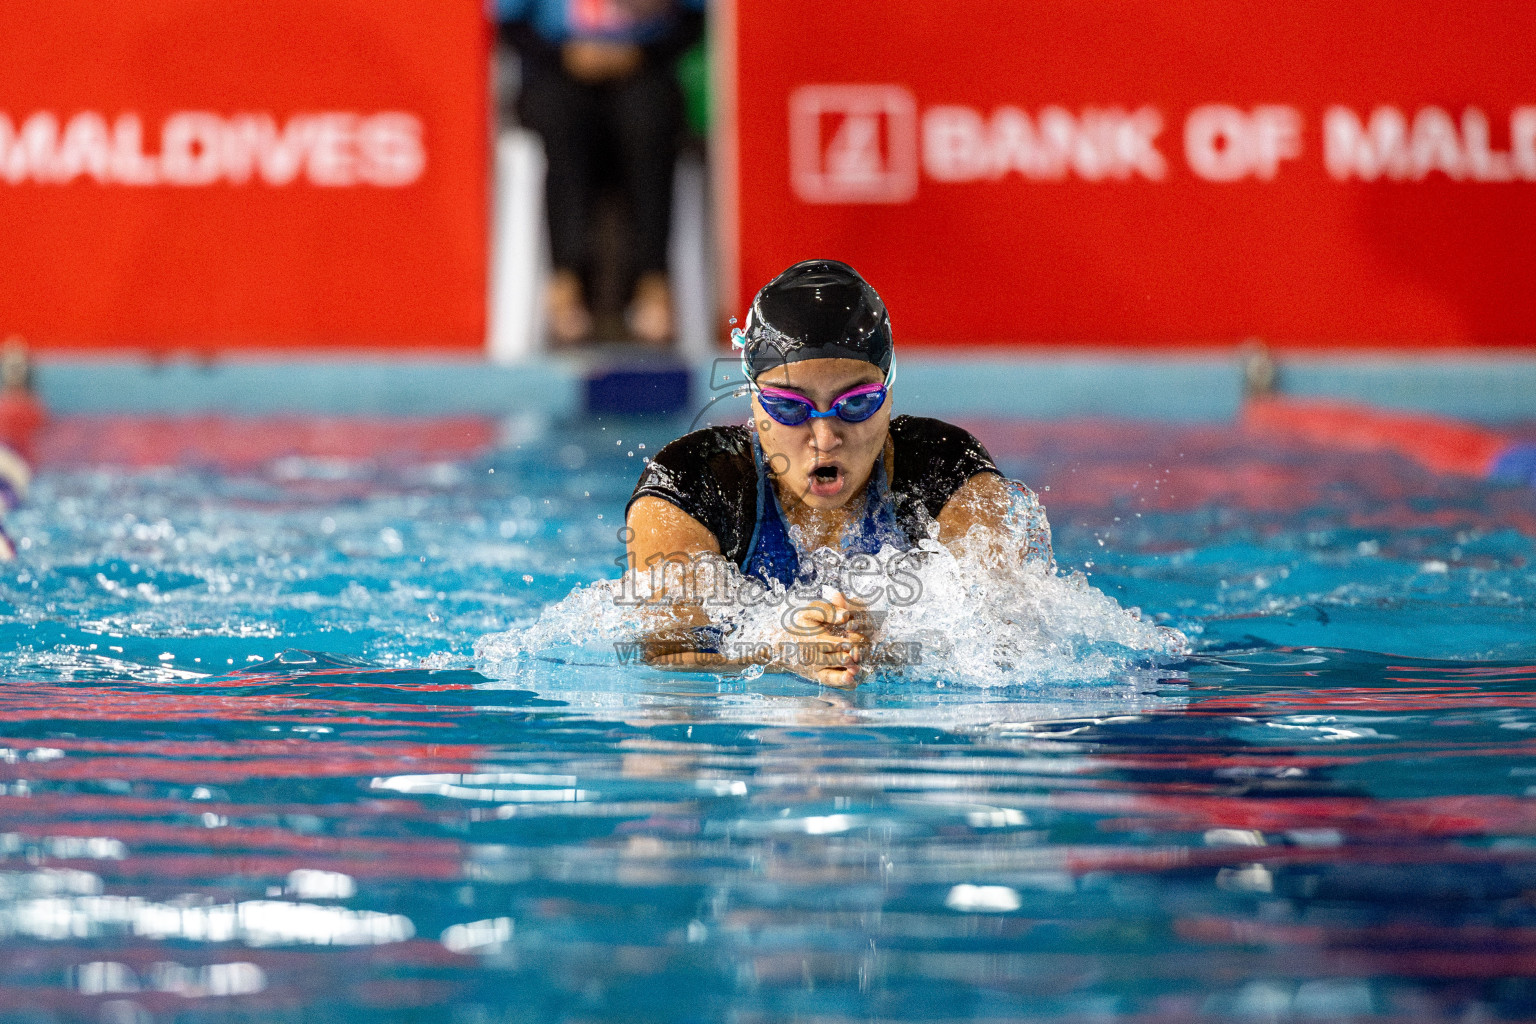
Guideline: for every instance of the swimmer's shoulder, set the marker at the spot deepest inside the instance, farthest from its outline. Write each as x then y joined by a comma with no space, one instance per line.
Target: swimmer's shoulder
717,449
710,475
926,440
934,459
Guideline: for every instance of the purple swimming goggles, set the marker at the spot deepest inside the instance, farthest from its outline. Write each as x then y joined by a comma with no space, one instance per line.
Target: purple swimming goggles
792,409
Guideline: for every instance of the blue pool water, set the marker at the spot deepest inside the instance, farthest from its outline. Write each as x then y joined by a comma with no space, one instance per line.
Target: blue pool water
254,766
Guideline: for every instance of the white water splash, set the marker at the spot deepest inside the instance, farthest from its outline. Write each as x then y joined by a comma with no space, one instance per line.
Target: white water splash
982,611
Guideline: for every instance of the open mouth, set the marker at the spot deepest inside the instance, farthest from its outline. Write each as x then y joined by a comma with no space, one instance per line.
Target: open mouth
826,481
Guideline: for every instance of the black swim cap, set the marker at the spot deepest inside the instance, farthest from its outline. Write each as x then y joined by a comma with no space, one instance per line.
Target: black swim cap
817,309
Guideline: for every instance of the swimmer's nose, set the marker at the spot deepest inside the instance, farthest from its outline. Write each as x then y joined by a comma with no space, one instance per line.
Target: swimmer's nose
823,437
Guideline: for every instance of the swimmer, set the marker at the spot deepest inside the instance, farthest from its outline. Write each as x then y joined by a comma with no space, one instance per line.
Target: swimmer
823,465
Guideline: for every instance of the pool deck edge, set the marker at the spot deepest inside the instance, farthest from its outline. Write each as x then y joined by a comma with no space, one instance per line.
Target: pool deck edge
1198,387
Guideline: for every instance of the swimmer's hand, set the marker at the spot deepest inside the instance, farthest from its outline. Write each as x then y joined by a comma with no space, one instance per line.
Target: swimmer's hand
827,646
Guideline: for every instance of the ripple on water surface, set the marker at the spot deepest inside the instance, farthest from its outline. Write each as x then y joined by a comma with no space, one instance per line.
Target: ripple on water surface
195,825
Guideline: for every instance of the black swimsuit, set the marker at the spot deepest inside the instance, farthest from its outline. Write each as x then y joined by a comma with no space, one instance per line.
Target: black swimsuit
717,476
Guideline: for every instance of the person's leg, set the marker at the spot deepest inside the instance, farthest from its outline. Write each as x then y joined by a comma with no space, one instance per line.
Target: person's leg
647,114
565,113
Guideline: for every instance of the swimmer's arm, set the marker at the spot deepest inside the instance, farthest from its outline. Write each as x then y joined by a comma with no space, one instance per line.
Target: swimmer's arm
983,500
660,531
1013,528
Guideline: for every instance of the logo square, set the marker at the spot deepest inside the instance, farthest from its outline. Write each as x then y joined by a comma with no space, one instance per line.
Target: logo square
853,143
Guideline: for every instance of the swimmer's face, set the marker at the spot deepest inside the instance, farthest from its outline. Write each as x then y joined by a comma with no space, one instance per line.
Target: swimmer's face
823,462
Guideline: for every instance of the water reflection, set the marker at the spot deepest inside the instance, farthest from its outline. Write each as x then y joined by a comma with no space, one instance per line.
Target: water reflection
1276,833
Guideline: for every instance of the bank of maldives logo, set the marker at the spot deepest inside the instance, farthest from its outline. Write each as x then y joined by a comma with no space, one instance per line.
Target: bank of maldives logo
853,143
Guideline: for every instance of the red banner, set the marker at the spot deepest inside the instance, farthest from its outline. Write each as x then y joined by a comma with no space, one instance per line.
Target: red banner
195,175
1132,173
